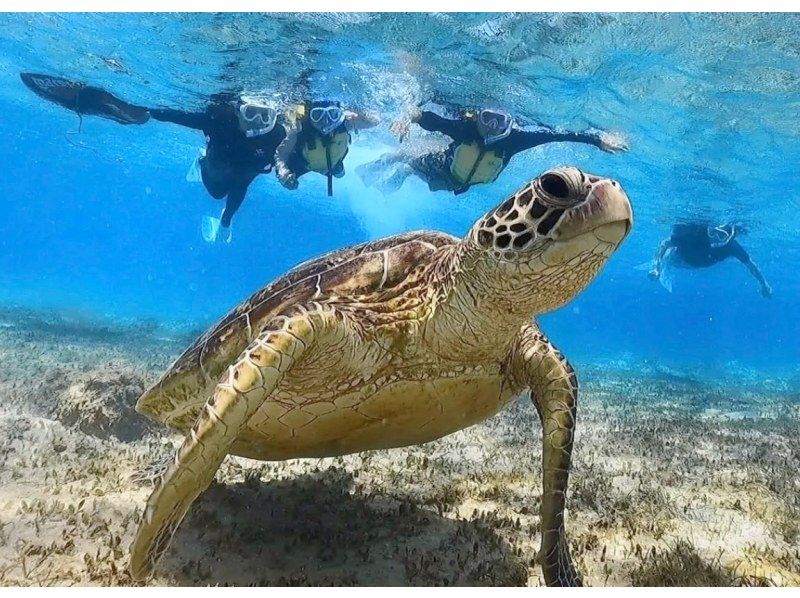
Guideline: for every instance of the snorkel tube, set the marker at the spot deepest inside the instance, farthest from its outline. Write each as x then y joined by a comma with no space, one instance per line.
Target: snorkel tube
326,117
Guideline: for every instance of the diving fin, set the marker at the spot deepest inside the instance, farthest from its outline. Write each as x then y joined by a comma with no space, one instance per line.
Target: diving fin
382,175
665,278
665,274
195,174
84,99
213,231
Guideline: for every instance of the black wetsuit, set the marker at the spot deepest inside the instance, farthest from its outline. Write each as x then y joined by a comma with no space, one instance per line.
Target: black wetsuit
693,247
232,159
436,167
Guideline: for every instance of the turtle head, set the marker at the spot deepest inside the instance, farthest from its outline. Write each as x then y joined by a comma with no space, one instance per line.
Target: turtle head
545,243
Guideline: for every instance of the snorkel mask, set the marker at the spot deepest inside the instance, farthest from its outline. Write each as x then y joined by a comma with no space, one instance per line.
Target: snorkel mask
326,117
255,117
719,236
494,125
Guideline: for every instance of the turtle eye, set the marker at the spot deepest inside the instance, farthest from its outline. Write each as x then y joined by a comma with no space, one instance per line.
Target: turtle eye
560,188
555,186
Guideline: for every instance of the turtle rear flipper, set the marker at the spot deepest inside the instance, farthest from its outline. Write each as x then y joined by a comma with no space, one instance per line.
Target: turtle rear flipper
241,391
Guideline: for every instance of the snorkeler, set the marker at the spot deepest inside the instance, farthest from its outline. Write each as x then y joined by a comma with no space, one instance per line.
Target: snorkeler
242,134
698,245
483,143
318,141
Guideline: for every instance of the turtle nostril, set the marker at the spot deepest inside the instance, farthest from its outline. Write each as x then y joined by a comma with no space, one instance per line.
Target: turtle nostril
555,186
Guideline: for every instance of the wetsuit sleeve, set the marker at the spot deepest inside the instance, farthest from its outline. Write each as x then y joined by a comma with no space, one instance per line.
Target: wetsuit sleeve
520,140
430,121
739,252
192,120
285,150
735,250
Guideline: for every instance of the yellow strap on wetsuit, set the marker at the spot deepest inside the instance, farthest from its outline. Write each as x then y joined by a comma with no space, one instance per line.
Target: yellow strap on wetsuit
472,164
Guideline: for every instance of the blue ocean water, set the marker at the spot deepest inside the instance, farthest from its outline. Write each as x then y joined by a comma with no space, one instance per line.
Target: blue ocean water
99,220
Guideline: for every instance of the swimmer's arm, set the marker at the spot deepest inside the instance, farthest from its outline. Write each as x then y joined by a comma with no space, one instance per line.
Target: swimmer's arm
741,254
430,121
192,120
522,140
355,121
283,154
286,147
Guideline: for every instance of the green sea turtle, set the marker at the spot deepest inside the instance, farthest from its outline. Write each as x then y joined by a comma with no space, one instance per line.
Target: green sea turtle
392,343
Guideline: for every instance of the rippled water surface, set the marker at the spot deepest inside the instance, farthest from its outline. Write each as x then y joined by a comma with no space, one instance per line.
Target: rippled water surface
98,219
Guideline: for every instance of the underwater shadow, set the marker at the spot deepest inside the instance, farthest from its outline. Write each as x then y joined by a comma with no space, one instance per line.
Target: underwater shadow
319,529
680,565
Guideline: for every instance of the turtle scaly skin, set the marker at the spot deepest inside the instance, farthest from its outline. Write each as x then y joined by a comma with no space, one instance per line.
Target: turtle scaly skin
392,343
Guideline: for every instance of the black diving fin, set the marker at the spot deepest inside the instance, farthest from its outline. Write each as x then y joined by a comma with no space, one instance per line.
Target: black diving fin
84,99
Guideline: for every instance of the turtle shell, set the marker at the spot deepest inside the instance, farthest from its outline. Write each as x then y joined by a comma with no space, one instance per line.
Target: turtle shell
373,267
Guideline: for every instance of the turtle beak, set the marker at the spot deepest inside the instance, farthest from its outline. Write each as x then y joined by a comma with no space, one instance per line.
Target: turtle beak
606,211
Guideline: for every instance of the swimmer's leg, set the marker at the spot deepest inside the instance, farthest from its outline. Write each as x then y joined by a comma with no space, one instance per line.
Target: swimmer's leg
236,196
216,177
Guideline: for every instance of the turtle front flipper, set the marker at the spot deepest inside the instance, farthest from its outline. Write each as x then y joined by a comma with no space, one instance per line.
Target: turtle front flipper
241,390
538,365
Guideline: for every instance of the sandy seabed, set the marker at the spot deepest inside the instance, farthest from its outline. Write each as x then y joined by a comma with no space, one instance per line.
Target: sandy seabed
674,482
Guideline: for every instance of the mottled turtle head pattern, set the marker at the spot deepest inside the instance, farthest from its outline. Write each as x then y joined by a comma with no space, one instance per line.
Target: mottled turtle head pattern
557,230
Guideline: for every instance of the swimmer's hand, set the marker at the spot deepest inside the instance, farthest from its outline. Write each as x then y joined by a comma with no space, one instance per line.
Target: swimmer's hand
766,291
287,178
401,126
613,142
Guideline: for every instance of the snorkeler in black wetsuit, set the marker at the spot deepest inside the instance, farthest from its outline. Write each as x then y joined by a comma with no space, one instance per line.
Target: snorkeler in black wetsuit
242,135
318,141
698,245
483,144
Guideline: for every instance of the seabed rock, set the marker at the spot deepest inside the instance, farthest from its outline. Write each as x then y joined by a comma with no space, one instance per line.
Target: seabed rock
101,403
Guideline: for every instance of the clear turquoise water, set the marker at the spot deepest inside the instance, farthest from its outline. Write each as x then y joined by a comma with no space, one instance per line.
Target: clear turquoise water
103,223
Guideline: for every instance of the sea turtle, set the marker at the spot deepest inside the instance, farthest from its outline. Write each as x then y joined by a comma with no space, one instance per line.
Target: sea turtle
395,342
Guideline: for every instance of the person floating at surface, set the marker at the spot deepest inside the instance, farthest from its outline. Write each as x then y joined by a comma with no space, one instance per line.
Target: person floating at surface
318,141
699,245
242,134
483,143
